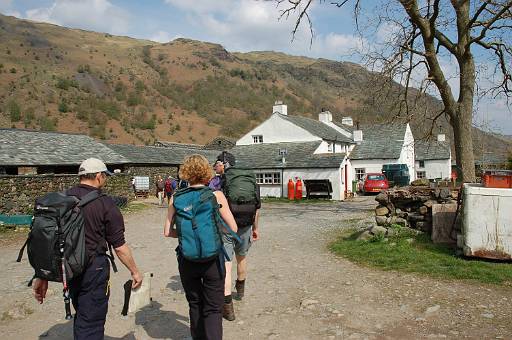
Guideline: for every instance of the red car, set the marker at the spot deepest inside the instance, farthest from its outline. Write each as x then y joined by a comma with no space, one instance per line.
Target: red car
375,182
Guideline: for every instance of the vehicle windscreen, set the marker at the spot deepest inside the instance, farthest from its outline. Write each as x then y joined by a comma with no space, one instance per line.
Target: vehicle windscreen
376,177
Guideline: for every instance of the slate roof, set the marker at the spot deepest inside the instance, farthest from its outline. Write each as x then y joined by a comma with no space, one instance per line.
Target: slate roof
300,155
380,141
32,148
137,154
430,150
317,128
179,145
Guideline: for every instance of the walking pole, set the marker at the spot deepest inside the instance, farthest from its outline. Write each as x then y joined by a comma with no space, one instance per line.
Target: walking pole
65,290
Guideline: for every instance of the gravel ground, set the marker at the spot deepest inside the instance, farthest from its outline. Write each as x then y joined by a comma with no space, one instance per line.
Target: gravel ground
296,289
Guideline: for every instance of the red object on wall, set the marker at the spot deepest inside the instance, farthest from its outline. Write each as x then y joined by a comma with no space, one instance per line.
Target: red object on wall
291,189
497,179
298,189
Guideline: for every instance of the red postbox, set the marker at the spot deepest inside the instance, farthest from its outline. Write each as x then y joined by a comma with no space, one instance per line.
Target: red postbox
298,189
291,189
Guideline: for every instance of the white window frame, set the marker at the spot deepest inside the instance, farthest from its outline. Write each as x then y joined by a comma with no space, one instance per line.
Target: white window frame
268,178
360,173
257,139
421,174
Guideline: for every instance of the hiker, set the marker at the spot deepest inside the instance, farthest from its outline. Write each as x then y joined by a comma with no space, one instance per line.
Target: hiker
201,266
103,222
246,215
170,186
134,188
216,181
160,190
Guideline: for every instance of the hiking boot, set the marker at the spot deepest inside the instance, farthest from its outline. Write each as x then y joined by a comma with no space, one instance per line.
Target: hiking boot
228,312
240,289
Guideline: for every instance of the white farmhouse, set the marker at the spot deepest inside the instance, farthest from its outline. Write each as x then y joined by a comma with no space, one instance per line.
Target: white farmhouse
286,147
433,158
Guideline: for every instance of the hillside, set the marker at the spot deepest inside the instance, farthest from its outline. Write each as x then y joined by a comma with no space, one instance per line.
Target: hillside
125,90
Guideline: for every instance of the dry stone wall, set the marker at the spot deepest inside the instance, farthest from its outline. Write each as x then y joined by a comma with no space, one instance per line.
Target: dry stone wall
18,193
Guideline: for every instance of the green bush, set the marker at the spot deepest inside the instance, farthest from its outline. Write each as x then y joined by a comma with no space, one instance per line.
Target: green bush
63,107
47,123
134,99
65,84
14,111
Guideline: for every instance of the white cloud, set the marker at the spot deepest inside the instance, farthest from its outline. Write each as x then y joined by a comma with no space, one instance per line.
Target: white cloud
203,6
163,37
97,15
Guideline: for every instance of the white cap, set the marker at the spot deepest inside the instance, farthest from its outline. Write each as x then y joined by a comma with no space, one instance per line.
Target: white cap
92,166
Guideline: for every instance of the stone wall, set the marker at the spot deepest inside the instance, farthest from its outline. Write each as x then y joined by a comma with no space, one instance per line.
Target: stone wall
152,172
18,193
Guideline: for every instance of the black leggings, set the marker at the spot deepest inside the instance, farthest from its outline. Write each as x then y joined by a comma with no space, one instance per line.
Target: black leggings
203,283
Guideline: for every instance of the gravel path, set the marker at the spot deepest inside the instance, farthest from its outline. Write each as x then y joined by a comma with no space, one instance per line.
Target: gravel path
296,289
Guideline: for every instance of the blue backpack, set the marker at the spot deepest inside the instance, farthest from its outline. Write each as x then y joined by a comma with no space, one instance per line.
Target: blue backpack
199,224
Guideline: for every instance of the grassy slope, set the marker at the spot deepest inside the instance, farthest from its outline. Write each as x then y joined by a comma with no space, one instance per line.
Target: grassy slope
137,91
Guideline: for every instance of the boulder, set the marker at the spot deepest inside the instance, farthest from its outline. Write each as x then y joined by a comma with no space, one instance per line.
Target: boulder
376,230
430,203
381,210
444,193
380,220
420,182
365,236
382,198
423,210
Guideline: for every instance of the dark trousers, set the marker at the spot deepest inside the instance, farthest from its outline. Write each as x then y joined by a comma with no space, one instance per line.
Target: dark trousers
90,293
204,288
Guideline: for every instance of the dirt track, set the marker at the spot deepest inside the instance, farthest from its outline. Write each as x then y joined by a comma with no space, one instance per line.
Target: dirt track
296,290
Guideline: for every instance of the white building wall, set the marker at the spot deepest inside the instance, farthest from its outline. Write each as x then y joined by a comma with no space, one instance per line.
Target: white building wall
407,153
324,148
277,130
333,175
439,168
370,165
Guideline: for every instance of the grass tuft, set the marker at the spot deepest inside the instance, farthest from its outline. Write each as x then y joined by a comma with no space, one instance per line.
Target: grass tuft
411,253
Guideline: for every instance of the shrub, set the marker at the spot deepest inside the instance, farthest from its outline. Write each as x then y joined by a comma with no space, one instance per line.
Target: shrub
12,70
47,123
14,111
63,107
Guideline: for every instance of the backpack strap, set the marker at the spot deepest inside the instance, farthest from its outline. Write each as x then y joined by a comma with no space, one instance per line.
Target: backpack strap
91,196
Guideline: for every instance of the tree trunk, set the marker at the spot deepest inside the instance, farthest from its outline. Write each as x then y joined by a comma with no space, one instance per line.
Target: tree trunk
463,133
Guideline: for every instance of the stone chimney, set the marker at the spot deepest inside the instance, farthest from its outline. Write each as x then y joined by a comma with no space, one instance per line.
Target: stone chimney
347,121
325,117
441,137
280,108
358,136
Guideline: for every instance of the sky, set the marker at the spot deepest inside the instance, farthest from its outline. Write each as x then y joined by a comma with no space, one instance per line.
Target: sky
238,25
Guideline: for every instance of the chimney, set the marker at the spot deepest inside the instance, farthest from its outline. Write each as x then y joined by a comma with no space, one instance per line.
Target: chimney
280,108
358,136
347,121
441,137
325,117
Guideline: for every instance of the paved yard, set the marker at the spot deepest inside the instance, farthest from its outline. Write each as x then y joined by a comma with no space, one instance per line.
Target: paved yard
296,289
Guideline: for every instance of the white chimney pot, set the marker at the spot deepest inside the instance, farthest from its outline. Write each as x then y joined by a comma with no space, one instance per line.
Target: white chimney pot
325,117
280,108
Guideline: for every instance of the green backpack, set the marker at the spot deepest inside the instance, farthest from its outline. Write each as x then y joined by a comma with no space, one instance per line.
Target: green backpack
240,190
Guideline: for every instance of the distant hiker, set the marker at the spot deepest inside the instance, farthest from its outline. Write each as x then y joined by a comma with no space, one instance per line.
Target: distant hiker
103,227
133,188
160,190
243,195
216,182
170,186
197,212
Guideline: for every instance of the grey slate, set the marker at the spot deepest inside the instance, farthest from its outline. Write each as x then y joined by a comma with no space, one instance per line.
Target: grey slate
300,155
431,150
380,141
31,148
317,128
154,155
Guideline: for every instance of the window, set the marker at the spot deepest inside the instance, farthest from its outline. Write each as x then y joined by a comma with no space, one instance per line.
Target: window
329,147
421,164
376,177
421,174
268,178
257,139
360,172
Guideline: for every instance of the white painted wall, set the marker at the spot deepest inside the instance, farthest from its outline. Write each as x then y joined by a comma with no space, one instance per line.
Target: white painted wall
277,130
334,175
407,153
370,165
439,168
338,148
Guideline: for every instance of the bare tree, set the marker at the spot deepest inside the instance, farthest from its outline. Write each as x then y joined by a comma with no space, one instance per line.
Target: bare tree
422,34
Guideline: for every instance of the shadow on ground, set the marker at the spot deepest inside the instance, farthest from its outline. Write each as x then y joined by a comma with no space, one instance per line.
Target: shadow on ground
175,283
157,324
162,324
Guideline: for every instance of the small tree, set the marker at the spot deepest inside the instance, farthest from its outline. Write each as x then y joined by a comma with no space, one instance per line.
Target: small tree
14,111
